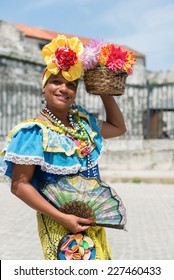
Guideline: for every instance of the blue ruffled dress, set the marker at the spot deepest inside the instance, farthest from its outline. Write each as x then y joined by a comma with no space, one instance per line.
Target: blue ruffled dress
54,154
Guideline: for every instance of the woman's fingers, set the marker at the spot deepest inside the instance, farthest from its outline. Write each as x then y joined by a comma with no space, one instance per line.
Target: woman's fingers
76,224
83,221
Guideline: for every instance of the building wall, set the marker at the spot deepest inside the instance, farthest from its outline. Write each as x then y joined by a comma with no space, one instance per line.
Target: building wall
138,154
20,61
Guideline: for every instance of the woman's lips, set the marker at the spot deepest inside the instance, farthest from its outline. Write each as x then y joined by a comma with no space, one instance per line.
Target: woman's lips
62,97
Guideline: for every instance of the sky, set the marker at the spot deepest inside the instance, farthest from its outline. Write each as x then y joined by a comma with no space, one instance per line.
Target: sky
146,26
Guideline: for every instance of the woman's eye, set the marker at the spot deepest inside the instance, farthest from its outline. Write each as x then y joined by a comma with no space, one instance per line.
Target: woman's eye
56,82
71,86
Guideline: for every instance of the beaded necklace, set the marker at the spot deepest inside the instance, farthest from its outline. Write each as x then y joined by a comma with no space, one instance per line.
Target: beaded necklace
82,135
80,139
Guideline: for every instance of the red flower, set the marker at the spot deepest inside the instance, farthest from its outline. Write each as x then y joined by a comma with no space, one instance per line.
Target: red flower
65,58
117,58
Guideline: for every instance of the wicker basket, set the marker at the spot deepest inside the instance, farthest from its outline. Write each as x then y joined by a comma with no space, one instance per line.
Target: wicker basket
103,81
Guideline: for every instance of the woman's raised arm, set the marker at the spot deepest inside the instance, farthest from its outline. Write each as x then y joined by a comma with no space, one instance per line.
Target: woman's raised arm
114,125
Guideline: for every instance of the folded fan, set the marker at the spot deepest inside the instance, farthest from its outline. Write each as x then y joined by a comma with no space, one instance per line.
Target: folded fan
87,198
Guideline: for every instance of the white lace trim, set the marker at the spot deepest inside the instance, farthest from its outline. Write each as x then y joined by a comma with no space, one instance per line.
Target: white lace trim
53,169
29,160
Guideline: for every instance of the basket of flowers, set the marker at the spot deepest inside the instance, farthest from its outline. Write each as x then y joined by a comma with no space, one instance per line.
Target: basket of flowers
106,67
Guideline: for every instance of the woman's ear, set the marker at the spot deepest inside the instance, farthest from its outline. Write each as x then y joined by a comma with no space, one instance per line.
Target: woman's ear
43,101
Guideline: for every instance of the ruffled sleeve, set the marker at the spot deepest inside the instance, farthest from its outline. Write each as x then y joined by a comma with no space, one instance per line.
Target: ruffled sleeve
25,146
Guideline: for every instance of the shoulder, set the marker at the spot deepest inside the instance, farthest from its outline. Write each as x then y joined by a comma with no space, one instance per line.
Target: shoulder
83,113
93,121
26,128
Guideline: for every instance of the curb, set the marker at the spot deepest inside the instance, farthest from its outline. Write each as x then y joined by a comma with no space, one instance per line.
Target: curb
137,176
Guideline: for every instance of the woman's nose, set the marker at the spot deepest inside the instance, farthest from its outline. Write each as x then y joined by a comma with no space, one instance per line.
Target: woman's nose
63,87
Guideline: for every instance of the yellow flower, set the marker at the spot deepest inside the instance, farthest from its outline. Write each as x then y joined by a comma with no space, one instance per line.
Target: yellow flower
63,54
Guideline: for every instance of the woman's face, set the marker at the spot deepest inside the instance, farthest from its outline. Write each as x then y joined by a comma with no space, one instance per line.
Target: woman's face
60,93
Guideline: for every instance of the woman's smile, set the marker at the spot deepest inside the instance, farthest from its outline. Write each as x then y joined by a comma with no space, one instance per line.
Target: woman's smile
62,97
60,93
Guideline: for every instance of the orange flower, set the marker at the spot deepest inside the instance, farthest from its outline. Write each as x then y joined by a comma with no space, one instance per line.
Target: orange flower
104,54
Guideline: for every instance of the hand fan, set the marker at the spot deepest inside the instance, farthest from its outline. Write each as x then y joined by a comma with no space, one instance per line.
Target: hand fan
87,198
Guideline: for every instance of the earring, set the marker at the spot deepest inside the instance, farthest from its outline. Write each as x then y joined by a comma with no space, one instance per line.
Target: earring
44,102
73,108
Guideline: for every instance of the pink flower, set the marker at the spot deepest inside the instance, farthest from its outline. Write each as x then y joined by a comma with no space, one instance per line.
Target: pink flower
89,58
97,44
91,54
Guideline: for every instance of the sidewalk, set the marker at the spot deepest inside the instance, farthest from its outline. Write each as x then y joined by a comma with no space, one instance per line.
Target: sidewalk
149,234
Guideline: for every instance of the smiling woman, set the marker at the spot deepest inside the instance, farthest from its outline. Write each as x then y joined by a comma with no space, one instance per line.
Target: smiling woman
60,95
52,161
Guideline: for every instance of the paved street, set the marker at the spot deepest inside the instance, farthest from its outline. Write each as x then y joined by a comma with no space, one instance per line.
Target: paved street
150,227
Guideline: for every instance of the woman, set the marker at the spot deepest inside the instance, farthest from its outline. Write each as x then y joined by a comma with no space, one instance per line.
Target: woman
60,141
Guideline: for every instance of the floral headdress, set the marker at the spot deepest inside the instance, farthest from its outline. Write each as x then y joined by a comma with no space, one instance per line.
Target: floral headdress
63,55
99,53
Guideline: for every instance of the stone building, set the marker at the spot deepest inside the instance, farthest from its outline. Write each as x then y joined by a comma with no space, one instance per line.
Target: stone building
20,60
20,53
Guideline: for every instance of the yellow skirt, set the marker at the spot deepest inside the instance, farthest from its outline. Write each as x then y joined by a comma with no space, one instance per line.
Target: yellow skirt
47,225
